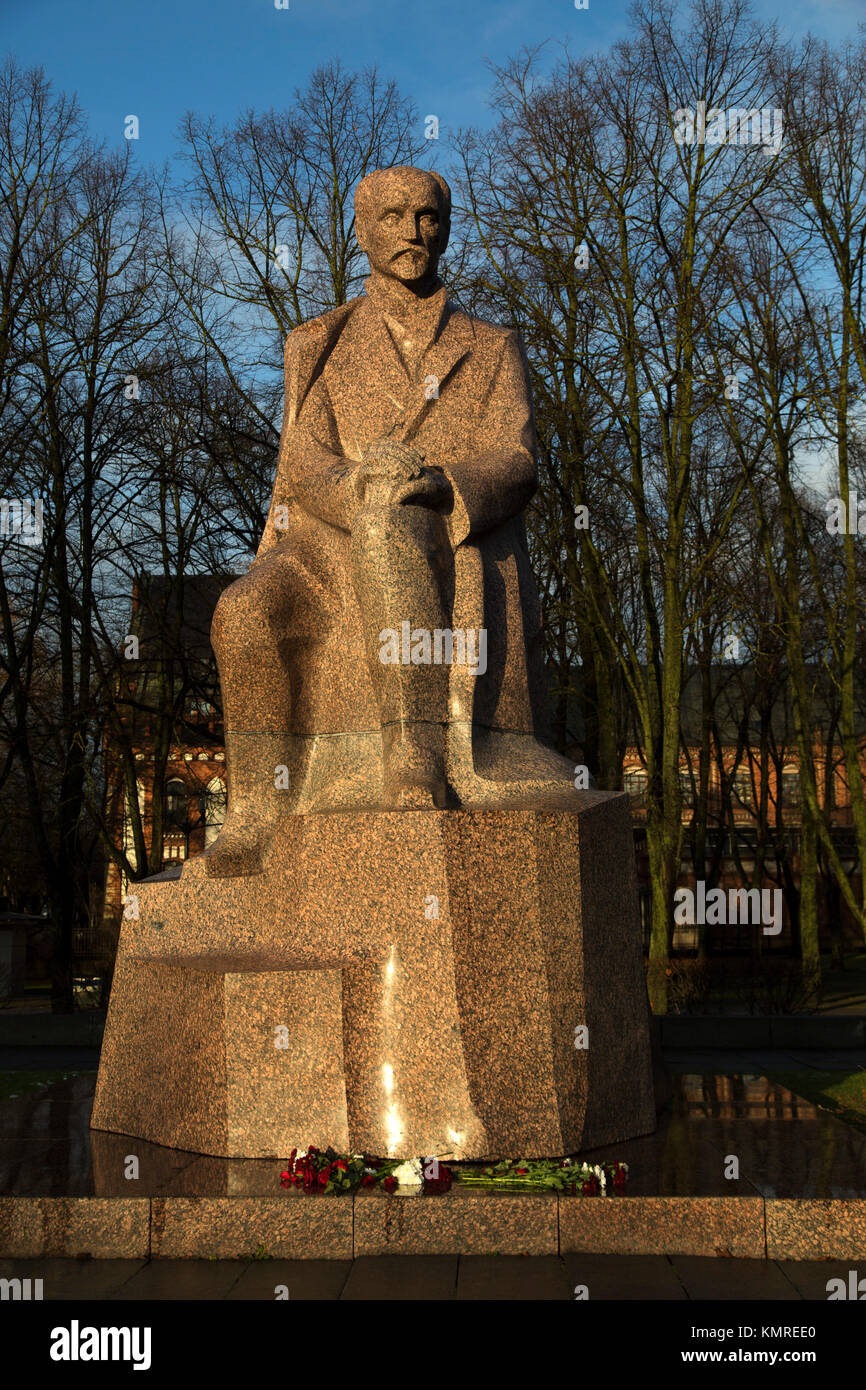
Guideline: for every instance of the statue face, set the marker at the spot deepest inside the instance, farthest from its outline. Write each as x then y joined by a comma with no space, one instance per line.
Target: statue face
404,235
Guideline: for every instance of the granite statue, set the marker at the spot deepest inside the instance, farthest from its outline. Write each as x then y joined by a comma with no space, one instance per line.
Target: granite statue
414,934
406,460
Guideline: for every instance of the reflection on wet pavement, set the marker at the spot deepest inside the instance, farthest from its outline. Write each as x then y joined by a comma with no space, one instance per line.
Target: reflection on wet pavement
786,1147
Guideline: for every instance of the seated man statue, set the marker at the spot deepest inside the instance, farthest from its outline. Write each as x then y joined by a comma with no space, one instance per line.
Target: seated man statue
383,652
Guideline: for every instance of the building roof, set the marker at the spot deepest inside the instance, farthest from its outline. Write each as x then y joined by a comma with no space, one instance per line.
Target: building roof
735,687
172,615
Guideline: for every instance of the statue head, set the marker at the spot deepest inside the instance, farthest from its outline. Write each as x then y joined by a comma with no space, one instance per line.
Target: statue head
402,221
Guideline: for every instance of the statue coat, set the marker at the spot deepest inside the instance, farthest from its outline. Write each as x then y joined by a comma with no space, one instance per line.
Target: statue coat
346,385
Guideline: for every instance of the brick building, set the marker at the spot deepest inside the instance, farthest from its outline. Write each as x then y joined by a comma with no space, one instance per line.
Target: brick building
752,808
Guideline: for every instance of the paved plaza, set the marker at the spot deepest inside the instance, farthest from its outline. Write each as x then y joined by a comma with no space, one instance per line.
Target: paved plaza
435,1277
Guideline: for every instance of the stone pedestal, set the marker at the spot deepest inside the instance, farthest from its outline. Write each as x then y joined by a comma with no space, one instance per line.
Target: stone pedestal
398,983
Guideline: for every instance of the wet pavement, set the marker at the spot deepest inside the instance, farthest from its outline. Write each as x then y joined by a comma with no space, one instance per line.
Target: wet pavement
784,1146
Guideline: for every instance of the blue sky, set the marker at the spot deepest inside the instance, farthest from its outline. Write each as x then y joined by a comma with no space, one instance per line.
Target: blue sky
158,58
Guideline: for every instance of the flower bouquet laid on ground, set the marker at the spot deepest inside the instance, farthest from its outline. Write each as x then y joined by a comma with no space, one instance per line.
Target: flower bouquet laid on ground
539,1174
324,1170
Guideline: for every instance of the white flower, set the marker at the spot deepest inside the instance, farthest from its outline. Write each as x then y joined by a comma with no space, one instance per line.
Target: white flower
599,1173
410,1173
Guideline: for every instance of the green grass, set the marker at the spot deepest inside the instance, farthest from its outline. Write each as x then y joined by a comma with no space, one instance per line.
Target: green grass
841,1093
16,1083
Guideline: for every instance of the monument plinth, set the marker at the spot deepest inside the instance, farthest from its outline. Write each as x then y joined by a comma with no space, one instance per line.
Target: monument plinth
413,936
400,983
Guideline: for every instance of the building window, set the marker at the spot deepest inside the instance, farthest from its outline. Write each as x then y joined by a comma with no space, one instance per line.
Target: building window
790,789
741,788
634,782
175,802
687,788
214,809
202,707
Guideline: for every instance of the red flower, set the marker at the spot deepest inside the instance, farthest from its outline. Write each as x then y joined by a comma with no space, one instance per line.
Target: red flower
441,1183
341,1164
368,1180
522,1170
389,1183
323,1177
285,1177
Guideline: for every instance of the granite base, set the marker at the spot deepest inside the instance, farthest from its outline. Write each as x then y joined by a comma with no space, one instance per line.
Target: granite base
463,983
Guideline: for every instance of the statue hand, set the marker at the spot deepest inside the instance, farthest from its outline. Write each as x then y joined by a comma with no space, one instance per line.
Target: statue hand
388,458
392,475
431,489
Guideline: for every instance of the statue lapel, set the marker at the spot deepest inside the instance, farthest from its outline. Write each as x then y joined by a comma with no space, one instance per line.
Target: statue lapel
453,343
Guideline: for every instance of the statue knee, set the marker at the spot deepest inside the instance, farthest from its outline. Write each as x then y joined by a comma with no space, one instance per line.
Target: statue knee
374,526
378,528
239,617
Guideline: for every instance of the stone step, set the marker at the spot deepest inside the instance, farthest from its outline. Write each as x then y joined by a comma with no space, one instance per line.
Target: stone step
300,1226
